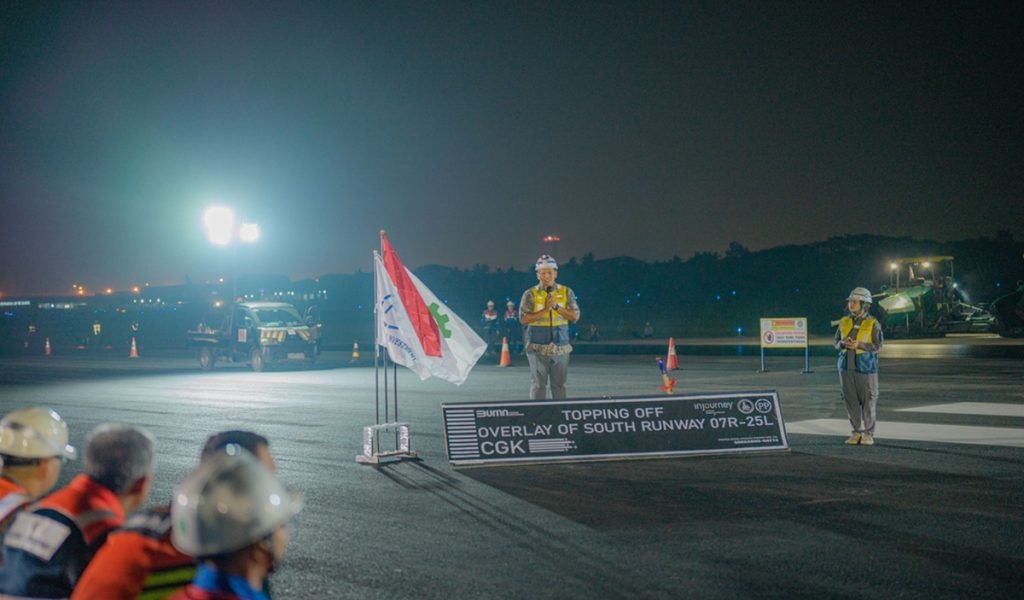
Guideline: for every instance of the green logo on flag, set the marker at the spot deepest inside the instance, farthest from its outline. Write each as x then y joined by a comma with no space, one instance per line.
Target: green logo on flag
441,320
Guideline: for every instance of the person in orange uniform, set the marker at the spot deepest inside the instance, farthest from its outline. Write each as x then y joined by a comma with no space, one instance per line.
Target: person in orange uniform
33,448
490,326
513,330
49,544
139,560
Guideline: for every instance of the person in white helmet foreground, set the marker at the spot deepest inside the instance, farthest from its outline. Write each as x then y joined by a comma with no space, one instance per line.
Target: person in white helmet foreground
546,310
858,339
230,513
51,542
33,448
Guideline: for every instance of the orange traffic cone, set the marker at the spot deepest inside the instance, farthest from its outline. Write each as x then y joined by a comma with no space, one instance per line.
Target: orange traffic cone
135,350
46,349
506,356
672,364
355,351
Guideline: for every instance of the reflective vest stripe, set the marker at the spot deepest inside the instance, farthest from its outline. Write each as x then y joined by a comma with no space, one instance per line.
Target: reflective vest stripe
163,583
10,503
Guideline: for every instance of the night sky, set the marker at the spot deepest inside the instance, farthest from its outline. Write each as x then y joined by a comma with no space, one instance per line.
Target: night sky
470,130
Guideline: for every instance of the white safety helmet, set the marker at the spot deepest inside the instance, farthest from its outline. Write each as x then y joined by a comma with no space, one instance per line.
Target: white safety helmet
230,501
545,261
35,433
860,293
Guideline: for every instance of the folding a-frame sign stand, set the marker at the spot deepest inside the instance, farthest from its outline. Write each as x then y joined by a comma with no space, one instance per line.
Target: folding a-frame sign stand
372,453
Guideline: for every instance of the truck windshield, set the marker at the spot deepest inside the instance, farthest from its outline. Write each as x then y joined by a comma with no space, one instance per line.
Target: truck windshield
278,317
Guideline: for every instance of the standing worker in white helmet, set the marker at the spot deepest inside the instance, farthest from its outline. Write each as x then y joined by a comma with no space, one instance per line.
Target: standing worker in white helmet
33,448
858,339
546,310
230,513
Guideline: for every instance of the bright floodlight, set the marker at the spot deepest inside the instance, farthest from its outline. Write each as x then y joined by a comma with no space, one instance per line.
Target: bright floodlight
219,221
893,266
250,232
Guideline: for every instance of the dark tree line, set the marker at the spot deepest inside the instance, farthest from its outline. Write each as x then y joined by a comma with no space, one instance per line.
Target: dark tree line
706,294
716,295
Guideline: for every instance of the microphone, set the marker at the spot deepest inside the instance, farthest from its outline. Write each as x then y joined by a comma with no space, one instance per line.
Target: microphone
551,316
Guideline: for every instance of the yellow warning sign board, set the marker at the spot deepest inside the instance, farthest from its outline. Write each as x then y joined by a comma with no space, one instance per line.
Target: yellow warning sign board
784,333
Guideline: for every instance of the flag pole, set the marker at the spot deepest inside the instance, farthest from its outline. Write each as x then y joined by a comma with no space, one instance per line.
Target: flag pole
376,350
395,367
385,355
372,454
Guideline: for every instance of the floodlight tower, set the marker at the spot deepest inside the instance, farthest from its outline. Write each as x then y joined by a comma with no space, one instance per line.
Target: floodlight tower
220,229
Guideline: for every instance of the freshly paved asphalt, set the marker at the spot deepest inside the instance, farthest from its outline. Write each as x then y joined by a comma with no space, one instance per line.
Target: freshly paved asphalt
903,519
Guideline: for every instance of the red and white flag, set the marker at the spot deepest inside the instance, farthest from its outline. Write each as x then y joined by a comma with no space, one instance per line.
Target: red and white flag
418,330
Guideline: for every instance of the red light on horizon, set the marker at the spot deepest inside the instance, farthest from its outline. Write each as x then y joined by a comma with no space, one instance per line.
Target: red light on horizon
551,238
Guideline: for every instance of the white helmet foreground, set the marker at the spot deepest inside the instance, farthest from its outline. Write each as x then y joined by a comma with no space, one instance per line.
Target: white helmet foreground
35,432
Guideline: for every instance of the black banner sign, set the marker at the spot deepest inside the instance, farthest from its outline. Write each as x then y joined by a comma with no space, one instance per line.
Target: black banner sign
611,428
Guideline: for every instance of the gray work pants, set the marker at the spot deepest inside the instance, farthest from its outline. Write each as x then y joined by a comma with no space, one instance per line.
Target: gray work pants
544,369
860,392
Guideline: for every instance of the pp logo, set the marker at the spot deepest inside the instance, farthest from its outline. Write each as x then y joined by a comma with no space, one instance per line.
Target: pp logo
746,406
763,405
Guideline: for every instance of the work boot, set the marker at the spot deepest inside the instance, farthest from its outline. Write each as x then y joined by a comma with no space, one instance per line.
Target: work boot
866,439
854,438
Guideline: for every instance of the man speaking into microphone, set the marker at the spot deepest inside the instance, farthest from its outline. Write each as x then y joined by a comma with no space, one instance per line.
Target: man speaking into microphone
546,310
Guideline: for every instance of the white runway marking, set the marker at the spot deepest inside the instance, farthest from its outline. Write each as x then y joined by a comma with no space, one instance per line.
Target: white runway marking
997,409
918,432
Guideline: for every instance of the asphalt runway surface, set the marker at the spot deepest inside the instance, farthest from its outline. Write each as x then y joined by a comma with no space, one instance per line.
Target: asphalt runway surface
917,517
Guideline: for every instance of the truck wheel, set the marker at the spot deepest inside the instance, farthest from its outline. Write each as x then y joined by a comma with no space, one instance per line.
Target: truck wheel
206,359
256,360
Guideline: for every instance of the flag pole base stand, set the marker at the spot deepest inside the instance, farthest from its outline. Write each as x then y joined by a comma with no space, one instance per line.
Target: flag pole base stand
385,457
371,437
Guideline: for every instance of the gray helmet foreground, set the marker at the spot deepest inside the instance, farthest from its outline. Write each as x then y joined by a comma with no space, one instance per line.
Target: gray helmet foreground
230,501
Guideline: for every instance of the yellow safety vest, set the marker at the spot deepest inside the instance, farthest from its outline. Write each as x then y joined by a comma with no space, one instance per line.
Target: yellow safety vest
863,334
864,361
552,319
